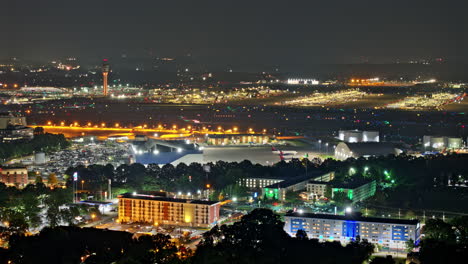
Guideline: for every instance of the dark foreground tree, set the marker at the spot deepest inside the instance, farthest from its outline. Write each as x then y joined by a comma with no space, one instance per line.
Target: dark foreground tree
90,245
259,238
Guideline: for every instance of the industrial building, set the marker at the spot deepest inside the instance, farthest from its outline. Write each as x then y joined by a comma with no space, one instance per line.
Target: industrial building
14,176
442,142
356,136
344,150
390,234
278,190
160,210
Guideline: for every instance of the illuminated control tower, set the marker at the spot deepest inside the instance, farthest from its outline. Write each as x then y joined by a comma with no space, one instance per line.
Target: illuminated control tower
105,72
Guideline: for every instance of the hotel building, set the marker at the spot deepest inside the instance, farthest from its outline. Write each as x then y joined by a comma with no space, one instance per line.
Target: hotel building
167,211
389,233
14,176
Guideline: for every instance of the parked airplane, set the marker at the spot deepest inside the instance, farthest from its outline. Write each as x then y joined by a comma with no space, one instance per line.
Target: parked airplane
282,152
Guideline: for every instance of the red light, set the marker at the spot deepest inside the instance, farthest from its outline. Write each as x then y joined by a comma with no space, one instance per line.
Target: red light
104,60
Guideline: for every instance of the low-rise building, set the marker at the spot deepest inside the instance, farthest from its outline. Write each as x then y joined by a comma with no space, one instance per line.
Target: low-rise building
355,191
278,190
159,210
14,176
391,234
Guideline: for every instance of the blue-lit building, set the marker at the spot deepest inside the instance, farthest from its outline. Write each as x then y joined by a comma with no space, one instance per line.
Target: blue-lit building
389,233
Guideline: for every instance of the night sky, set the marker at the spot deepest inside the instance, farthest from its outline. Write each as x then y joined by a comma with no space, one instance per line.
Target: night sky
243,32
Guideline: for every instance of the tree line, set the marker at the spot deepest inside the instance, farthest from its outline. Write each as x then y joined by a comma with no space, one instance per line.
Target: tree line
221,176
45,142
257,238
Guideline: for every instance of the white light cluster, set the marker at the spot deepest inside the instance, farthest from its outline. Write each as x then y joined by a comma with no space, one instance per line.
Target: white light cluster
303,81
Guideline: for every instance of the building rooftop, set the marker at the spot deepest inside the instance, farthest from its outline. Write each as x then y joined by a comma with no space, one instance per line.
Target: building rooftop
12,168
164,199
350,185
288,182
232,135
354,217
370,148
320,182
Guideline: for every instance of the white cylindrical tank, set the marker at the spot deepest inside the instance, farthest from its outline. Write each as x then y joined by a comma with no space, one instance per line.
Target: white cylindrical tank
39,158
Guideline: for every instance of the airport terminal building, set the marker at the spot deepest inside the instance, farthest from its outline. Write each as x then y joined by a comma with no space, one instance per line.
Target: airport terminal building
391,234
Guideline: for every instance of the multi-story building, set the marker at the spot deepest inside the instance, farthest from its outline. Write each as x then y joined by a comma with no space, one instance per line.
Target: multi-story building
317,189
258,182
355,191
14,176
391,234
8,119
159,210
14,128
278,190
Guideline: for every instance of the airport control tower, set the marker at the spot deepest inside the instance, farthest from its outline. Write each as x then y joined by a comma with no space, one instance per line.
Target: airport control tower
105,72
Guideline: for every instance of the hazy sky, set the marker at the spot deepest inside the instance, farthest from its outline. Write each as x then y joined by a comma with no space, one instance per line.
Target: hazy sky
237,31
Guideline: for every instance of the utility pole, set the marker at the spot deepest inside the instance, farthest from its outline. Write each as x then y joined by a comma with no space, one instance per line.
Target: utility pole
110,188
